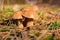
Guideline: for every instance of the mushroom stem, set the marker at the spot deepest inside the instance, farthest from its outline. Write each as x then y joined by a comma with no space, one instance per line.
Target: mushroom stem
20,25
30,24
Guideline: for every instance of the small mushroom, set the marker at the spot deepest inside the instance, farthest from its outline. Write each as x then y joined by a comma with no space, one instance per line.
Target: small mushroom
18,17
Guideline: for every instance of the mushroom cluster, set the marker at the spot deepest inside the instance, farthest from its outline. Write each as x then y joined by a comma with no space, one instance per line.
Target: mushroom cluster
26,16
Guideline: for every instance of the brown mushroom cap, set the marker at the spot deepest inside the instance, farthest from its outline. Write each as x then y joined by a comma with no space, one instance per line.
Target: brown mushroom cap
30,8
30,14
35,8
17,15
26,8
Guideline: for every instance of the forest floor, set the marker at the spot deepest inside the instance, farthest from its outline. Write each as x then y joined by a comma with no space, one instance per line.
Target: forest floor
47,28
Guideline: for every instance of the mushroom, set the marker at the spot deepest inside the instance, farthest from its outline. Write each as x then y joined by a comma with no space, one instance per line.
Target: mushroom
30,8
18,17
29,16
35,8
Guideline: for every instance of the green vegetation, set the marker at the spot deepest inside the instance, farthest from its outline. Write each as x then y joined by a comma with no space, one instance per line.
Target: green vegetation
49,37
55,25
